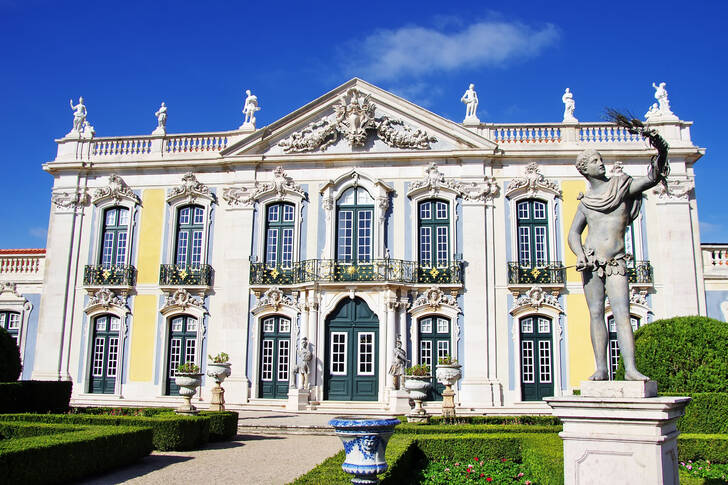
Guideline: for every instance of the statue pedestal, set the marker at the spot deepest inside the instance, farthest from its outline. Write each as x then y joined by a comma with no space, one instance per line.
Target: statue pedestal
448,402
297,399
399,401
217,403
618,432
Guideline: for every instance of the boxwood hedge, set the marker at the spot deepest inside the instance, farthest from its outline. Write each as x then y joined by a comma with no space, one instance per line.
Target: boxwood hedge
35,396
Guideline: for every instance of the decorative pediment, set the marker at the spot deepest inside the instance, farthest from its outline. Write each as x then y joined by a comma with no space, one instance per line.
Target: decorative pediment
281,186
116,190
9,287
190,189
434,298
182,300
69,200
532,183
104,299
435,181
354,120
273,299
534,299
674,190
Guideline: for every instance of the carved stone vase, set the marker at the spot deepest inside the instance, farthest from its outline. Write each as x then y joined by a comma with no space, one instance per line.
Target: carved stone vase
448,375
365,440
188,384
417,387
218,371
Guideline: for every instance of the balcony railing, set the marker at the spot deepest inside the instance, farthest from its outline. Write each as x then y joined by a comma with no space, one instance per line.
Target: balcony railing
185,275
330,270
548,273
102,275
640,272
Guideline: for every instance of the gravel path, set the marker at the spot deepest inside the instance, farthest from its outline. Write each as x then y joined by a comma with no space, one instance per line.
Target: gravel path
250,459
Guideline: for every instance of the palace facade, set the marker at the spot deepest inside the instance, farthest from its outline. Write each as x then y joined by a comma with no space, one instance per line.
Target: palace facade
357,220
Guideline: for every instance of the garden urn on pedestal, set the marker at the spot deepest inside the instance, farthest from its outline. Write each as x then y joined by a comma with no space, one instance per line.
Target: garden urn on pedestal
365,440
218,371
417,387
448,375
188,383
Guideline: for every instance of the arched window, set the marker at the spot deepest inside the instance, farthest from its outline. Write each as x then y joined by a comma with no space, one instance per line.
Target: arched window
190,224
614,344
274,354
433,221
355,209
10,321
182,348
536,358
532,227
114,237
435,343
105,354
280,219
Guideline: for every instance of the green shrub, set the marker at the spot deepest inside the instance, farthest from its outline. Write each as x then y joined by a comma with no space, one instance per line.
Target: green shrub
9,358
223,424
403,456
713,447
35,396
122,411
68,456
525,419
466,446
683,354
419,429
707,412
23,430
543,455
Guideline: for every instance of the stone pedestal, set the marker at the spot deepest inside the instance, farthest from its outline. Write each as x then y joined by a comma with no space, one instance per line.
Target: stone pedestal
618,432
297,399
399,402
217,403
448,403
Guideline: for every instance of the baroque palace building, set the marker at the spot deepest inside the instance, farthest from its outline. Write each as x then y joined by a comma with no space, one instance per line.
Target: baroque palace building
357,220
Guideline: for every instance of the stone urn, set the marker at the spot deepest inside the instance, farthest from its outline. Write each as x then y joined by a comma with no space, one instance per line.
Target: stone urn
448,375
218,371
365,440
417,387
188,384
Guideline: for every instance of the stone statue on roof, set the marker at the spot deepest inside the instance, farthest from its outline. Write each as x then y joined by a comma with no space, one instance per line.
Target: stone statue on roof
470,98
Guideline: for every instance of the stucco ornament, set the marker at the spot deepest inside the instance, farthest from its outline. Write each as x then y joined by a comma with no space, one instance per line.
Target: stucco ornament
274,298
237,196
674,189
70,199
116,190
183,299
106,298
435,181
536,298
354,119
9,287
190,188
281,184
434,298
533,181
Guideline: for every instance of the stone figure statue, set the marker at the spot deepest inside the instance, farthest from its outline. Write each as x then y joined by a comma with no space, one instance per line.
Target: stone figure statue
653,112
79,115
661,97
608,207
470,98
304,362
87,131
161,115
399,362
569,106
249,110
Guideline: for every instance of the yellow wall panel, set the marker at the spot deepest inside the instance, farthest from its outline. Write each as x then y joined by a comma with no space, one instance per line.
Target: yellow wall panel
581,355
570,189
141,362
150,236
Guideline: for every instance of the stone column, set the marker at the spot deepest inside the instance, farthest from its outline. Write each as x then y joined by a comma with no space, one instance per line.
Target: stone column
313,333
391,338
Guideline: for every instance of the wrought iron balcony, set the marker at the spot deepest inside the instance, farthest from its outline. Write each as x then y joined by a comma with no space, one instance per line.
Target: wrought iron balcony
640,272
185,275
330,270
104,275
547,273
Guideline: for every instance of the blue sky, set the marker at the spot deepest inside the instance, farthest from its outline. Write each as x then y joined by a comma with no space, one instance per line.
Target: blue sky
127,57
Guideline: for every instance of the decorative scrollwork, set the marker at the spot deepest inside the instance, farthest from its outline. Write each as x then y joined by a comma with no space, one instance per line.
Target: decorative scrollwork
533,181
190,188
116,190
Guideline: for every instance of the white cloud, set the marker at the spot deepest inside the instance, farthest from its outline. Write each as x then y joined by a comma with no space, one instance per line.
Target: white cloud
419,93
415,50
39,232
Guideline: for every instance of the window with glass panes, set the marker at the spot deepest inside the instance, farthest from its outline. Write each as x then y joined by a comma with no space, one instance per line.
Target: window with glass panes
354,226
433,222
275,355
190,230
104,354
532,234
279,233
435,343
181,348
536,338
114,239
10,321
614,343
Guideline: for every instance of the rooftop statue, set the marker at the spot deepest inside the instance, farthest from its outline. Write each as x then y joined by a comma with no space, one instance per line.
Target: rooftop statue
249,110
79,116
608,207
661,97
161,115
470,98
569,106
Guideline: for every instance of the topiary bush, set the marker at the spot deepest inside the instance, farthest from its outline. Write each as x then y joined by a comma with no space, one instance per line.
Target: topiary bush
9,358
683,354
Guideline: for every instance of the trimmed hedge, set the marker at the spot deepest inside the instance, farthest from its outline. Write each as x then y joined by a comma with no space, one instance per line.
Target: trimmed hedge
466,446
24,430
170,432
713,447
447,429
543,455
707,412
68,456
500,420
223,424
35,396
9,358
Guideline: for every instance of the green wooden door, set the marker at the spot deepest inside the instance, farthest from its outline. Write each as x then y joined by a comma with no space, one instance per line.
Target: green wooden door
104,355
352,360
434,345
536,359
274,355
182,345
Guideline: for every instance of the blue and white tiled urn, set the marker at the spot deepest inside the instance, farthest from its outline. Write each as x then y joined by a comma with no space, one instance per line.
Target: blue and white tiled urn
365,440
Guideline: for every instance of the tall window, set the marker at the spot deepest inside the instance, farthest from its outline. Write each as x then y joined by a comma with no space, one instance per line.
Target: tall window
275,354
434,233
279,232
115,235
536,358
104,354
434,345
614,343
355,209
10,321
532,233
182,347
190,225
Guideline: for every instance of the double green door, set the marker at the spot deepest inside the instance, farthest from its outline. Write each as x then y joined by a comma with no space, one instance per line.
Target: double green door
434,345
352,343
536,359
275,354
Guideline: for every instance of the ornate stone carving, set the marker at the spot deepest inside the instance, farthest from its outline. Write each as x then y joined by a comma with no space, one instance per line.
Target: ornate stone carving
237,196
274,297
281,184
69,199
638,296
569,106
434,298
533,181
676,189
182,298
434,181
9,287
106,298
618,168
535,298
191,188
117,190
354,119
